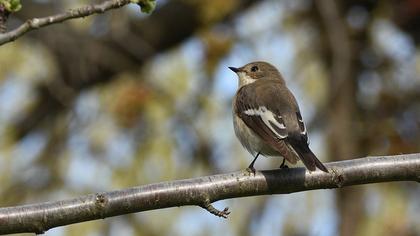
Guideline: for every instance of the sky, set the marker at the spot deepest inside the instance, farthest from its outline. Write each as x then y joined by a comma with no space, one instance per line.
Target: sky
260,37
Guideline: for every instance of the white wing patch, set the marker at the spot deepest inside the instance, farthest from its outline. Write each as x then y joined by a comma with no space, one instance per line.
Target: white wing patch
304,130
301,124
269,119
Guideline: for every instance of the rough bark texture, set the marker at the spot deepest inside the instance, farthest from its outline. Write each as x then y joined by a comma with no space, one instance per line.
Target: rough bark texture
38,218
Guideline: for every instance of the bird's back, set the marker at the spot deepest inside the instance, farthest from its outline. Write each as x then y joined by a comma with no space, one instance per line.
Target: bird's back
276,98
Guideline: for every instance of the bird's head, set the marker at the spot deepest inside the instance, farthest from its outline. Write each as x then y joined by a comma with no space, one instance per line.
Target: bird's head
254,71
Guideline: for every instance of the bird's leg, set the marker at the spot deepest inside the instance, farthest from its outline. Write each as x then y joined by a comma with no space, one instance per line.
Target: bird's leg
283,164
251,166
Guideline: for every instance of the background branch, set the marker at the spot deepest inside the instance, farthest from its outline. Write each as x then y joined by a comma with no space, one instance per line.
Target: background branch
201,191
36,23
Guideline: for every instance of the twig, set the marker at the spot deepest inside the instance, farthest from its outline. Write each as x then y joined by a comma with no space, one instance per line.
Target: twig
210,208
40,217
36,23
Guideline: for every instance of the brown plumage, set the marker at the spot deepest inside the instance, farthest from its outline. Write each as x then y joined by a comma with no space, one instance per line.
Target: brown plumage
267,118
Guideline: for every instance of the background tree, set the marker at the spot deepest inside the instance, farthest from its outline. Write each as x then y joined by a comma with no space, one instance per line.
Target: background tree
122,99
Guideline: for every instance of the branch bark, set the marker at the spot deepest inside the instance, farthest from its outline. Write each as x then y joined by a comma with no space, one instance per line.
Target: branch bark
36,23
202,191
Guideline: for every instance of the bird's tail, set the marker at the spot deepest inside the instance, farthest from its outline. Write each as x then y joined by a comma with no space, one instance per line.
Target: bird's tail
307,156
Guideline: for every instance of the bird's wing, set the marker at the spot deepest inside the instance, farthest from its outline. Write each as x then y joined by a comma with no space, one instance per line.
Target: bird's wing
272,107
271,111
272,114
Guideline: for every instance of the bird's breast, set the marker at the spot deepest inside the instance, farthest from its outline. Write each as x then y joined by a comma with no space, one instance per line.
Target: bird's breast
251,141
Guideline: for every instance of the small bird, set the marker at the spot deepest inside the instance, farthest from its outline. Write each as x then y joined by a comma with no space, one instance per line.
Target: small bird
267,119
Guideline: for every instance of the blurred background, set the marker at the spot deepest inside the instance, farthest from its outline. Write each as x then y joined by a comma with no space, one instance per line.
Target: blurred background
125,99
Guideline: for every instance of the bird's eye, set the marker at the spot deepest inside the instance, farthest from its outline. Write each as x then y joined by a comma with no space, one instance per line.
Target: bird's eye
254,68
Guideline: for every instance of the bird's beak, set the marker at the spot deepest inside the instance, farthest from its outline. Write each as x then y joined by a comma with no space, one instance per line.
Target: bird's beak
234,69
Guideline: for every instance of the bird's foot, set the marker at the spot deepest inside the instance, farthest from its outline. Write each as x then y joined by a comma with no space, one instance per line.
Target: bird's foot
283,165
251,170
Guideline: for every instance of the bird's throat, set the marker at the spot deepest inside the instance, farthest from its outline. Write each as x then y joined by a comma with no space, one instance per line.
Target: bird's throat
244,79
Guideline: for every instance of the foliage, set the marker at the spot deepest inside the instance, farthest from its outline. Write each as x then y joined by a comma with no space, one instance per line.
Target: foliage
118,100
11,5
147,6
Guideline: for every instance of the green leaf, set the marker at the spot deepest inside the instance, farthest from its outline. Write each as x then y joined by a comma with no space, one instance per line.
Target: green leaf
147,6
11,5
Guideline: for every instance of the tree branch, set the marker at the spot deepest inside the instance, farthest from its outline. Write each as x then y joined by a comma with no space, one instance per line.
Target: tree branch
202,191
36,23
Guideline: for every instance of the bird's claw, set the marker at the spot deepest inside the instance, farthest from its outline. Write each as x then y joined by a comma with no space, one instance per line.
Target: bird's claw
251,170
283,164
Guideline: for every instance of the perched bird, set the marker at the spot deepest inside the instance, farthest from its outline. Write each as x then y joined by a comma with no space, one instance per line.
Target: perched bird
267,119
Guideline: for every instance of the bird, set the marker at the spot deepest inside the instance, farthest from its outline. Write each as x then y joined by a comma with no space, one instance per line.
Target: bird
267,119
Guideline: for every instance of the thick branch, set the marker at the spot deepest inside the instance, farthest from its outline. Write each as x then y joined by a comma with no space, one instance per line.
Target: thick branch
36,23
203,190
